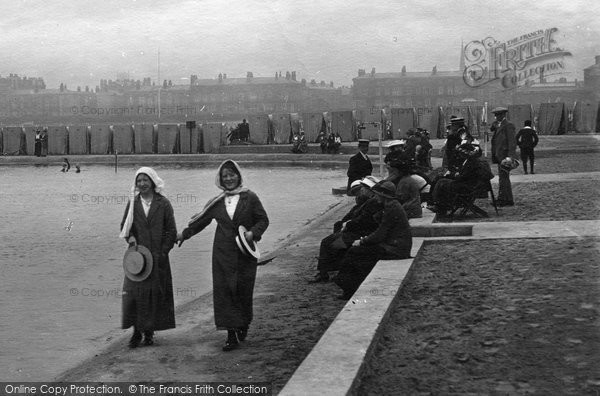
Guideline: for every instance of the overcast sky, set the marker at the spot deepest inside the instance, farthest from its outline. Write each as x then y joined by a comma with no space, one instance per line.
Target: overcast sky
80,42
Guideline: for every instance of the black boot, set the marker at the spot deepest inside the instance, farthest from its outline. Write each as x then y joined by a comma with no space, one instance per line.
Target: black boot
532,172
148,337
232,341
136,338
242,333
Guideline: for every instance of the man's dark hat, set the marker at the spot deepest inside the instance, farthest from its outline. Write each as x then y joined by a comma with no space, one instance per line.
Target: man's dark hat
385,189
498,110
363,142
457,120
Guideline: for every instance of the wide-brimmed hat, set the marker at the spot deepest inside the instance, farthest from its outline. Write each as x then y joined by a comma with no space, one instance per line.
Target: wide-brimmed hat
498,110
385,189
363,142
246,248
370,181
137,263
393,143
457,120
354,187
467,150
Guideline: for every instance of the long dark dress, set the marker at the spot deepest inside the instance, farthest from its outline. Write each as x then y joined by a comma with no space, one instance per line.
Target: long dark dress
233,272
148,305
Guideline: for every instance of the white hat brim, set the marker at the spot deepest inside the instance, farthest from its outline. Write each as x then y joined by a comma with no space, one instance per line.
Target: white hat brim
244,246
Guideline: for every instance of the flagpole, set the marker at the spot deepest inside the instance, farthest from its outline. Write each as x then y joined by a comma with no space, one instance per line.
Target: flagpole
485,130
159,83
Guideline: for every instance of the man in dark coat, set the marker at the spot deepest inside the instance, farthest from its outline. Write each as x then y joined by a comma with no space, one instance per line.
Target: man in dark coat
504,145
527,139
356,223
360,164
390,241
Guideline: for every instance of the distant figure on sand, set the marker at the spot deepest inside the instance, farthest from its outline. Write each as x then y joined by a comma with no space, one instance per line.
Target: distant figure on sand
65,165
148,226
233,271
527,139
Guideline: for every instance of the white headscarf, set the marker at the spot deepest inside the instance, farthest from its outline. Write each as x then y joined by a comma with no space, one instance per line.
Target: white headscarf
225,192
159,184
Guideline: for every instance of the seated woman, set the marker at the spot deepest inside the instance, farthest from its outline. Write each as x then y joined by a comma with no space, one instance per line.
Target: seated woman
408,189
473,171
391,240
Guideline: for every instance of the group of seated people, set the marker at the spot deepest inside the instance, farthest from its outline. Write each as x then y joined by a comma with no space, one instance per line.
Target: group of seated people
376,228
463,169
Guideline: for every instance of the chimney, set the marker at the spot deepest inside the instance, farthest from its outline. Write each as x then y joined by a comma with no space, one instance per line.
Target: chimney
373,72
361,72
294,76
403,70
249,76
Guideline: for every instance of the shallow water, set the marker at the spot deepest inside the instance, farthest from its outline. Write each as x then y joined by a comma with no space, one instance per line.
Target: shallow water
61,256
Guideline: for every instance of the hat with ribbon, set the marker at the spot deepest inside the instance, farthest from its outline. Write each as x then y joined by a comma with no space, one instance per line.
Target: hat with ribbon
249,249
137,263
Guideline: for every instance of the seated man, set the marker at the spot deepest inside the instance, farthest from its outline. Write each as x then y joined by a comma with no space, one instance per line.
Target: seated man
472,172
391,240
356,223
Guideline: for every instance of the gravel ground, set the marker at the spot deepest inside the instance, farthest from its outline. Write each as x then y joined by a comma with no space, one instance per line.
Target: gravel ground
521,318
535,201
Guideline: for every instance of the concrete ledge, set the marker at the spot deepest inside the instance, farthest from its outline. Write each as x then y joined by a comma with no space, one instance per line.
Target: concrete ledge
424,227
336,362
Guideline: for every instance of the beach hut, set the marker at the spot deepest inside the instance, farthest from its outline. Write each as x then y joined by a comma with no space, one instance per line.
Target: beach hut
279,128
167,139
144,137
584,117
438,123
29,132
185,138
552,119
371,122
518,114
211,136
425,117
259,128
78,139
123,139
13,138
312,122
344,124
58,138
100,139
403,119
196,140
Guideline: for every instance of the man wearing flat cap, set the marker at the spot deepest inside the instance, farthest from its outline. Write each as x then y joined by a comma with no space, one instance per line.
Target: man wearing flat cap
504,144
360,164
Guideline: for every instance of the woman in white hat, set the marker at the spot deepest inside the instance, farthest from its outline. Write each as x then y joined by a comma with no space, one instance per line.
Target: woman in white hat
149,227
233,270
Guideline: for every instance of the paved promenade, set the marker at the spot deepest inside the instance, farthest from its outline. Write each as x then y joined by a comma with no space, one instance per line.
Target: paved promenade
303,340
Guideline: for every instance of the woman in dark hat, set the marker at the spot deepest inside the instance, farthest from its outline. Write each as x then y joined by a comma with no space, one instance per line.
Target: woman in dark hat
148,222
471,171
391,240
233,271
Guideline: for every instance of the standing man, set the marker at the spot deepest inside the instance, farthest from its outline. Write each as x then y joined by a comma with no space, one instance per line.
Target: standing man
504,145
360,164
527,139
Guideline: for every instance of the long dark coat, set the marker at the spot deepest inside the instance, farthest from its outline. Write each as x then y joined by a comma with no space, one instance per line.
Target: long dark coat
358,168
504,143
233,272
148,305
